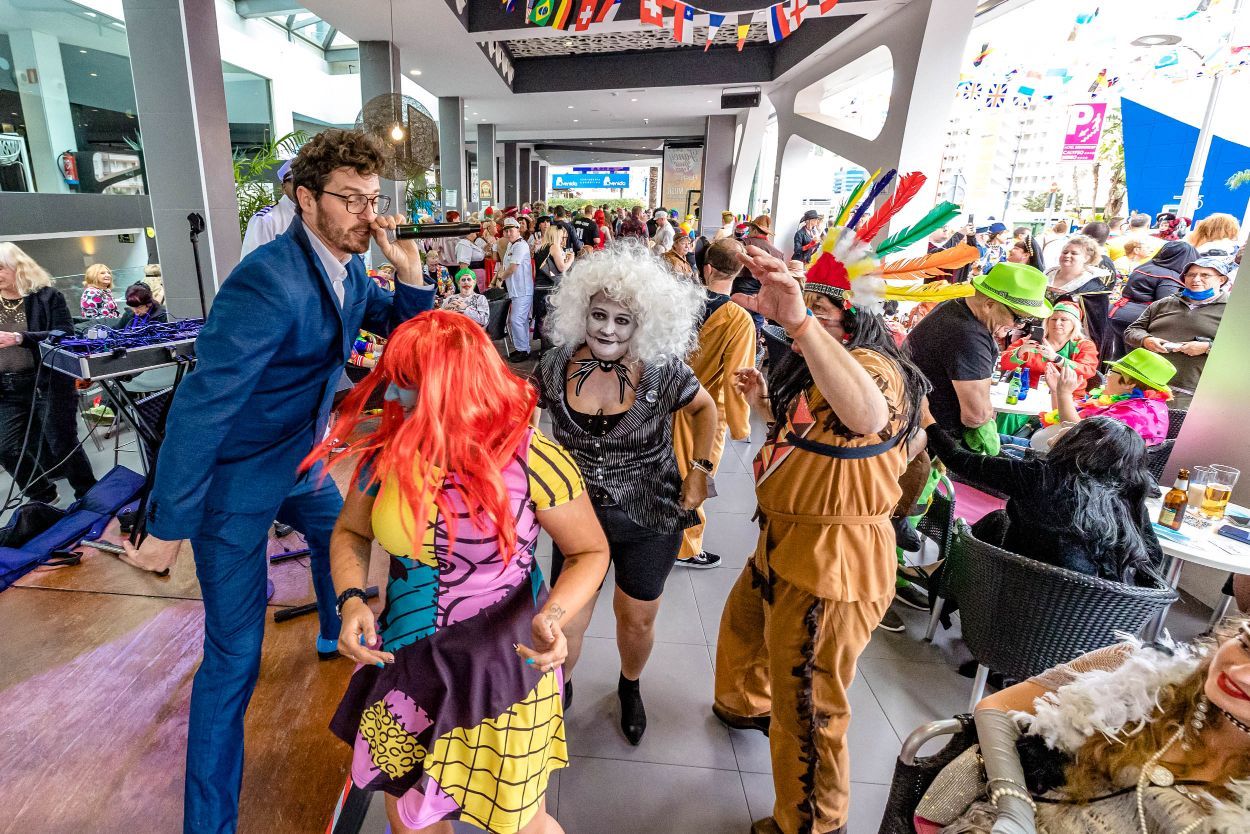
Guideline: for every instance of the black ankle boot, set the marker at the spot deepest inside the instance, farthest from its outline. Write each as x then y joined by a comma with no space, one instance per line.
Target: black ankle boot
633,714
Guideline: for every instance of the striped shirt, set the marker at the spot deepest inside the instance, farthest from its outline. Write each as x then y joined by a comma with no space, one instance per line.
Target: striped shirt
634,462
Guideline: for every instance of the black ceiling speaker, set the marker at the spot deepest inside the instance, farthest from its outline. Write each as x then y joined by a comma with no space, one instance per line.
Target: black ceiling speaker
734,100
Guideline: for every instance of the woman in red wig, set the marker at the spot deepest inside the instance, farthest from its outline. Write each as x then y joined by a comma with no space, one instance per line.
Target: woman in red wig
455,711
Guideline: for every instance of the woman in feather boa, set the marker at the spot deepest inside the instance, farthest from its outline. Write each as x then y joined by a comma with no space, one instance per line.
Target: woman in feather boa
1131,739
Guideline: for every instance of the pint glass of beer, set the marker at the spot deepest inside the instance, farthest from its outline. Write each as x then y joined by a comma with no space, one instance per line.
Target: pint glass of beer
1219,489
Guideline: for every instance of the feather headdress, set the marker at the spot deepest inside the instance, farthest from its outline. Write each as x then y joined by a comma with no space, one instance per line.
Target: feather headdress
848,260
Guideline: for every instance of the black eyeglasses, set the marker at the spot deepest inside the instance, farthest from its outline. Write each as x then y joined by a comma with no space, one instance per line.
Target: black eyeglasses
356,203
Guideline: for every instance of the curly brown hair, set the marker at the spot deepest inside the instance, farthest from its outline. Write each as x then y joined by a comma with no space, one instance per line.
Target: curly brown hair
1103,757
330,150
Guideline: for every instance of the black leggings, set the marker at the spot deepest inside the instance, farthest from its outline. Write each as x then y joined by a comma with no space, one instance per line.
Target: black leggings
643,557
52,438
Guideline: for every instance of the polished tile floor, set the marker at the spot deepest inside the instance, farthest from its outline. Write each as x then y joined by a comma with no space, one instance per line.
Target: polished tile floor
691,775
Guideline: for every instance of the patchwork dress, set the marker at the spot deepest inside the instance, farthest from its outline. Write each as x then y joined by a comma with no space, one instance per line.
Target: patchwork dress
459,727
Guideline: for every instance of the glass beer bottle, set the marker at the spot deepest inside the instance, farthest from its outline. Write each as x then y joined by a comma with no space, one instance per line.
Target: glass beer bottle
1174,503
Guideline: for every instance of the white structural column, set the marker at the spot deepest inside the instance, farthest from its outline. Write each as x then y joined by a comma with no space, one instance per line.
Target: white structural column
718,149
486,162
45,105
747,155
451,168
926,40
379,76
181,101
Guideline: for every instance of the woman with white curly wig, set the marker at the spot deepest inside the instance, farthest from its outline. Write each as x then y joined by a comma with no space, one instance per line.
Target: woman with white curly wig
621,324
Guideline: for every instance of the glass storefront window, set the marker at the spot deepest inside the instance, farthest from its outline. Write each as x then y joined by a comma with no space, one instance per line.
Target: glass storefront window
67,101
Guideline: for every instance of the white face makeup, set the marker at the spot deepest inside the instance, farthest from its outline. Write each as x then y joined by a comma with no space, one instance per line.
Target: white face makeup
610,327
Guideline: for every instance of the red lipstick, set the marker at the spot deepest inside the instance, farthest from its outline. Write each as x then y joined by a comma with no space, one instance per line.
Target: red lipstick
1231,689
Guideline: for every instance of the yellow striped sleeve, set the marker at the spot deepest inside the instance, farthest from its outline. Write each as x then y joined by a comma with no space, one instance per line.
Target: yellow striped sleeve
554,476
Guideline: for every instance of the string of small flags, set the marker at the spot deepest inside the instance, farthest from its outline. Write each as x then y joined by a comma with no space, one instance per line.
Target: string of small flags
678,17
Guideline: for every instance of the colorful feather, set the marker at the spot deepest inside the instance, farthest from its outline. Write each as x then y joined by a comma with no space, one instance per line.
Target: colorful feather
938,264
908,186
928,293
845,210
880,186
942,214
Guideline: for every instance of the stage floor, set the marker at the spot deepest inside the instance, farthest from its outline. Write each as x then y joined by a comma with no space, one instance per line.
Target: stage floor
95,684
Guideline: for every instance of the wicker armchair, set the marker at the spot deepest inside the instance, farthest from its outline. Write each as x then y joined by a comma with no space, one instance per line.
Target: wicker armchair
1157,458
913,774
1176,417
1020,617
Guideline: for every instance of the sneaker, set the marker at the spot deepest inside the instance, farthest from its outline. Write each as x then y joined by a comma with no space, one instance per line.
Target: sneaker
518,356
892,622
912,596
905,536
700,561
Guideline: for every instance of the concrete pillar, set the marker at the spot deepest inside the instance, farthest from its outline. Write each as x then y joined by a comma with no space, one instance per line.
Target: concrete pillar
510,175
524,193
45,105
544,180
486,161
451,168
718,161
181,102
747,158
379,76
536,179
925,39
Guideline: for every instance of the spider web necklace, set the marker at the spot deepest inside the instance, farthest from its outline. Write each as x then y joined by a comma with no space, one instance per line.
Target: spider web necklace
584,368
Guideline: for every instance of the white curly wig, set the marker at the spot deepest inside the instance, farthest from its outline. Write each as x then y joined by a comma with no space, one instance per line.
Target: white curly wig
667,307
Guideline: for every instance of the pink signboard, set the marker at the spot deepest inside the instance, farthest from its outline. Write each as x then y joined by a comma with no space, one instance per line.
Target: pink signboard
1080,142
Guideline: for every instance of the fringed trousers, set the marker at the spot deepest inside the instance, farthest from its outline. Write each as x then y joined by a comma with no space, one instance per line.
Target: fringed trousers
784,652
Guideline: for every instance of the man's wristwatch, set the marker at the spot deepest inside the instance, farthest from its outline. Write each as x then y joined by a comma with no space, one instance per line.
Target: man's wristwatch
702,464
358,593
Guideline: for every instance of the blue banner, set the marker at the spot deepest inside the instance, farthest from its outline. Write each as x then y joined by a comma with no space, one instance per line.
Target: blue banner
1157,153
560,182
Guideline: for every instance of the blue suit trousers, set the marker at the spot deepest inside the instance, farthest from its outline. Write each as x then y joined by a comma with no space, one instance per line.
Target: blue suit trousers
232,567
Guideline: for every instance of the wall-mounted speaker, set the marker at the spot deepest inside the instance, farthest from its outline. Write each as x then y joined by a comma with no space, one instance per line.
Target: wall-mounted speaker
735,100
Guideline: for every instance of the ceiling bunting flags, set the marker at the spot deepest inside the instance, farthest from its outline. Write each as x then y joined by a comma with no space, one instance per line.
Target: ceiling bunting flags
650,14
561,16
541,11
585,15
996,96
607,11
798,8
982,55
778,23
826,6
714,22
683,15
744,28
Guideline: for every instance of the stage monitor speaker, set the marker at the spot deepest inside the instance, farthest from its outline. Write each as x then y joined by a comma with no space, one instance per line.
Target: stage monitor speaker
732,101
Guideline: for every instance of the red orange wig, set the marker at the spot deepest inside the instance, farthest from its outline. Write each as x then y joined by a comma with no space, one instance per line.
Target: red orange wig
470,415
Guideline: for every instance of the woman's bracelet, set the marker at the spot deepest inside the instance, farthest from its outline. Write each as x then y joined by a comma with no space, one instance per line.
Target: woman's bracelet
1012,789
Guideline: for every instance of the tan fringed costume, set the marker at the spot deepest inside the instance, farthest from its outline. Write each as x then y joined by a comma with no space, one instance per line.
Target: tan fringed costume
726,343
808,600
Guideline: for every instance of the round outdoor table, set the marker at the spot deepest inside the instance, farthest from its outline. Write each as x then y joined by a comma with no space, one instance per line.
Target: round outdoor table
1038,401
1200,545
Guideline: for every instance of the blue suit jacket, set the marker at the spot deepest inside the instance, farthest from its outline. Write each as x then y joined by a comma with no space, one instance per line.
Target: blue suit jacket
268,362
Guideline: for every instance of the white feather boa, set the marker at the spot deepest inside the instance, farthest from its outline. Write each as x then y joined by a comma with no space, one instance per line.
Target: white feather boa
1120,702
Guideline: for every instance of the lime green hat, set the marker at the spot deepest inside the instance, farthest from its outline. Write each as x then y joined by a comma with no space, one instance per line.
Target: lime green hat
1148,368
1019,286
463,272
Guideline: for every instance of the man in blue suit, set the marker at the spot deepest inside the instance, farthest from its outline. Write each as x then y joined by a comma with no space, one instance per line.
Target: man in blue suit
269,360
